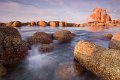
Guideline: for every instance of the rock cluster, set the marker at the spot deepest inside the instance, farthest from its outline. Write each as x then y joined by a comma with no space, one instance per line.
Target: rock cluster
12,48
99,15
105,63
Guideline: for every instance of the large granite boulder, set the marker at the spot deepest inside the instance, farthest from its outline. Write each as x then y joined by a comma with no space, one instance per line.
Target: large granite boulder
105,63
12,48
99,15
115,41
63,36
42,23
40,37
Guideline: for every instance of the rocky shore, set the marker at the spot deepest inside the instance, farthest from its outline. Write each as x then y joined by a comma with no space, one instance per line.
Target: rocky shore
103,62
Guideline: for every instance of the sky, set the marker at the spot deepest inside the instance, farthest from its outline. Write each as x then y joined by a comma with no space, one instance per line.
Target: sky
75,11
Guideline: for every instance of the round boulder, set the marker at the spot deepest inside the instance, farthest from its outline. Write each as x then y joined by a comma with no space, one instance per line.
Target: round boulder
42,23
54,23
16,24
40,37
63,36
12,48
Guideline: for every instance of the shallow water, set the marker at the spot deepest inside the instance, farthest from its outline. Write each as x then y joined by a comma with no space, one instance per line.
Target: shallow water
37,66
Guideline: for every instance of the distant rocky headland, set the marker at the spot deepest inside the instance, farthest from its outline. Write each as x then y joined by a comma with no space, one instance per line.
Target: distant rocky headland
98,17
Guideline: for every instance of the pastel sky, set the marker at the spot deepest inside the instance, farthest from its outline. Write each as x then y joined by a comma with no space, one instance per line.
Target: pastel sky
63,10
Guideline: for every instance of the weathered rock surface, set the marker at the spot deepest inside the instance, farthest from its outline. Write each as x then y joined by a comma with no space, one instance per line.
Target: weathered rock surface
99,15
105,63
40,37
12,48
42,23
115,41
63,36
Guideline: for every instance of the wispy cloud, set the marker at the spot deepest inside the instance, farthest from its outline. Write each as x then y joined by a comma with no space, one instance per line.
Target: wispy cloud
67,10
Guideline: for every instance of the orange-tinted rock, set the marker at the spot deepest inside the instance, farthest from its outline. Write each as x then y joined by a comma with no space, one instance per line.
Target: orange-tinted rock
105,63
40,37
16,24
108,36
99,15
115,41
42,23
54,23
62,24
63,36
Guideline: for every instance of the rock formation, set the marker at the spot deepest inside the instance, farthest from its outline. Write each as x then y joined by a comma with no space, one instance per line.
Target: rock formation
63,36
62,24
42,23
54,23
12,48
105,63
99,15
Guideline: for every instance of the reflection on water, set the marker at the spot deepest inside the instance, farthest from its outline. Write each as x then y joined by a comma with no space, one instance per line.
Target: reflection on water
47,66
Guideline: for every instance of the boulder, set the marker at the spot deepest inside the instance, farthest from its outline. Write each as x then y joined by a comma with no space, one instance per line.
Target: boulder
42,23
68,71
115,41
12,48
16,24
3,71
62,24
99,15
63,36
46,47
105,63
40,37
54,23
108,36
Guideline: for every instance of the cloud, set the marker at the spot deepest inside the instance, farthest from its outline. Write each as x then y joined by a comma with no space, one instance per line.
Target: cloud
66,10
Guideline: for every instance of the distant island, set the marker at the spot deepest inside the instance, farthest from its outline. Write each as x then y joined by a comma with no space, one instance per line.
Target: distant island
98,17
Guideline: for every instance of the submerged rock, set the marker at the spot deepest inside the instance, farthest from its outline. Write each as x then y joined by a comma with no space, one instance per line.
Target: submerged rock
68,71
12,48
105,63
3,71
108,36
46,47
63,36
40,37
115,41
